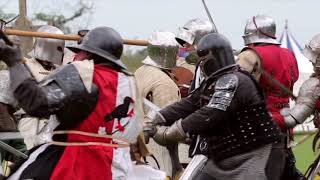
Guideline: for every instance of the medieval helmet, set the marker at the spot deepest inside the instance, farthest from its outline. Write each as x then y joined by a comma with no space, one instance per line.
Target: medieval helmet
162,50
260,29
312,50
193,31
104,42
215,52
47,49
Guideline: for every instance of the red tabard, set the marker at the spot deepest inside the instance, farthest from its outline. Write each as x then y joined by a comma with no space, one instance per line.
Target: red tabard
92,162
282,65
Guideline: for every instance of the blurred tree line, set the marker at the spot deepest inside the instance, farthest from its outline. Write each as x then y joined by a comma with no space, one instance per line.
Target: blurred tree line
133,58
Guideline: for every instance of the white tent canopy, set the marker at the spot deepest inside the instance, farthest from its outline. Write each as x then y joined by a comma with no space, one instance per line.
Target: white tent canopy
305,69
288,41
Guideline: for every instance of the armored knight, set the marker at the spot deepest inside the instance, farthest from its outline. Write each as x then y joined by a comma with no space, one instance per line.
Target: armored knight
268,62
46,55
271,65
229,110
307,102
188,36
7,121
7,102
94,100
155,83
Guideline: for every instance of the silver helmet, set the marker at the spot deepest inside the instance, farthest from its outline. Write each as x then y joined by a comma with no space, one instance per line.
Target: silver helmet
312,50
193,31
162,50
47,49
260,29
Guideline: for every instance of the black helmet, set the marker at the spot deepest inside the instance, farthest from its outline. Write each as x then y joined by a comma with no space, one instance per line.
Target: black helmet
104,42
215,53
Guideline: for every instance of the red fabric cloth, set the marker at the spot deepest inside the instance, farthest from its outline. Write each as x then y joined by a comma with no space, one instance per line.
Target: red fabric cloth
92,162
282,65
318,104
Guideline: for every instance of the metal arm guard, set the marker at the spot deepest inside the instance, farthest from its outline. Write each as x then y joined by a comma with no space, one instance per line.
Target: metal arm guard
170,135
308,95
62,93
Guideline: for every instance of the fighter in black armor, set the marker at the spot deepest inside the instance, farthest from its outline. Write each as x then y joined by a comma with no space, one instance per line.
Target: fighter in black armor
229,109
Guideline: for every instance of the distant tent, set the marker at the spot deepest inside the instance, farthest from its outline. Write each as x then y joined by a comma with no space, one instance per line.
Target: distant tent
305,68
288,41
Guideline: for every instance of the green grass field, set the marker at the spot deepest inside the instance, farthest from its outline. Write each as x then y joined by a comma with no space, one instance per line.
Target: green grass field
304,154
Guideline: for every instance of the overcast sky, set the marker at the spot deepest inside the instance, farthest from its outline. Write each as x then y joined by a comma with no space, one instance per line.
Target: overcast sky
139,18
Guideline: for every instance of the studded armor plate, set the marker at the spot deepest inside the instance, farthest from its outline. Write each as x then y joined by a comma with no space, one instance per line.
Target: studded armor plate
224,91
252,128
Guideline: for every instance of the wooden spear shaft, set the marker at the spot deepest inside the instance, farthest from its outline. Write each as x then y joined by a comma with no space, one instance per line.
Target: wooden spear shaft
69,37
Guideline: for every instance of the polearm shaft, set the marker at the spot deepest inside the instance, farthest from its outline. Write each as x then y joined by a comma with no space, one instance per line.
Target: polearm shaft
69,37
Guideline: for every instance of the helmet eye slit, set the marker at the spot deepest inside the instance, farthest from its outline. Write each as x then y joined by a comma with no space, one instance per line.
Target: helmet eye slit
202,53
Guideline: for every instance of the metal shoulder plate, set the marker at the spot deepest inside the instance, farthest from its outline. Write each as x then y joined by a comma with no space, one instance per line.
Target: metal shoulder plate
224,91
78,103
310,87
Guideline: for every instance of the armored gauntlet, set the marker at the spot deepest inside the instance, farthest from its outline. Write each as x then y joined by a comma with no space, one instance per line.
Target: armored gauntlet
170,135
305,104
